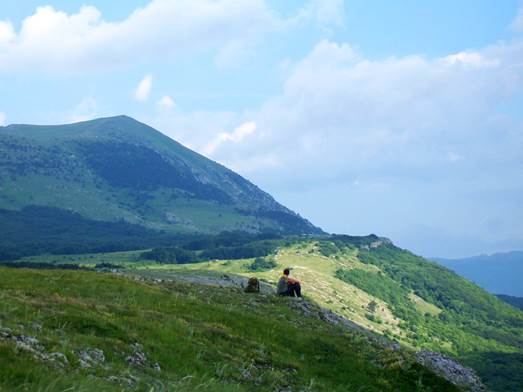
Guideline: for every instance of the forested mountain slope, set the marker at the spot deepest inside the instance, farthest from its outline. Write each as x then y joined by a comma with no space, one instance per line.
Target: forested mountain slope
118,169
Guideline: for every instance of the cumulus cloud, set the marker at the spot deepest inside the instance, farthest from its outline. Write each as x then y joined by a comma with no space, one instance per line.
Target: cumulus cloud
343,113
471,59
166,102
57,41
416,131
7,32
236,136
2,119
143,90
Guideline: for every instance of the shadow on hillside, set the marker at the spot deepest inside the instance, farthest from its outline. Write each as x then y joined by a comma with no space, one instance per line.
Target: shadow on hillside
499,371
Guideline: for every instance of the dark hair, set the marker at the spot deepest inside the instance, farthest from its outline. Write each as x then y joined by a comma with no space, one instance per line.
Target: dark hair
286,271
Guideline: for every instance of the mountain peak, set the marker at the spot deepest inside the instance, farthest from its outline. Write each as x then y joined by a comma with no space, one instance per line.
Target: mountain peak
115,127
120,118
117,168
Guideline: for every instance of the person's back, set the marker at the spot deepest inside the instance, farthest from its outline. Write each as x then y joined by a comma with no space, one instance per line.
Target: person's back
288,286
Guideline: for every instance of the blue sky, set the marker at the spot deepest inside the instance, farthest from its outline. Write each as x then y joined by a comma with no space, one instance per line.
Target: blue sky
400,118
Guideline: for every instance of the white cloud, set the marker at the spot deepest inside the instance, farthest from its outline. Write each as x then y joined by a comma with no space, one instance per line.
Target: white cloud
342,116
143,90
235,136
428,140
517,24
2,119
7,32
56,41
166,102
340,112
426,127
471,59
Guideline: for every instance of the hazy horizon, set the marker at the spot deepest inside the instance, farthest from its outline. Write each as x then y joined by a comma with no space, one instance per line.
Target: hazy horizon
402,120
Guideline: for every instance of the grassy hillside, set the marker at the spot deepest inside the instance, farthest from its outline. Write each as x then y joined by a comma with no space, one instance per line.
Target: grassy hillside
395,293
367,280
83,331
117,168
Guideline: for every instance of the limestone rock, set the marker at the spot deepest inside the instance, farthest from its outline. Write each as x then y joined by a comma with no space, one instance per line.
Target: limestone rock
450,370
91,357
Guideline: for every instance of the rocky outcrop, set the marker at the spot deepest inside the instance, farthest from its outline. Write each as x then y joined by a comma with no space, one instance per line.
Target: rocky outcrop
451,370
139,359
219,280
32,345
91,358
376,244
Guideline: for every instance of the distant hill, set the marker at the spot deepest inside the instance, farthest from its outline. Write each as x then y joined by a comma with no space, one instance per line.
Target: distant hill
499,273
514,301
122,171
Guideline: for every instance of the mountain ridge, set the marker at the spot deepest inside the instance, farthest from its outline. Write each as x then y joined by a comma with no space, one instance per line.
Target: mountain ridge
119,168
499,273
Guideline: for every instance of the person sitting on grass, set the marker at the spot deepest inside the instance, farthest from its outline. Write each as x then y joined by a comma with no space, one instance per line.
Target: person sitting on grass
288,287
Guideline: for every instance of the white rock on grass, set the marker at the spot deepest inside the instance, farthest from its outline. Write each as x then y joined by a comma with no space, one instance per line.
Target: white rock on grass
91,357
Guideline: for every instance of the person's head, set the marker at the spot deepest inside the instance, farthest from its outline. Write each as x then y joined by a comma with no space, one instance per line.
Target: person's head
286,272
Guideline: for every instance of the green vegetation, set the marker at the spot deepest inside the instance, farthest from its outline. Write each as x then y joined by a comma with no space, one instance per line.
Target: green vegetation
193,338
480,327
384,288
327,248
148,180
132,166
366,279
415,302
225,246
262,264
38,230
70,192
173,255
127,258
501,370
